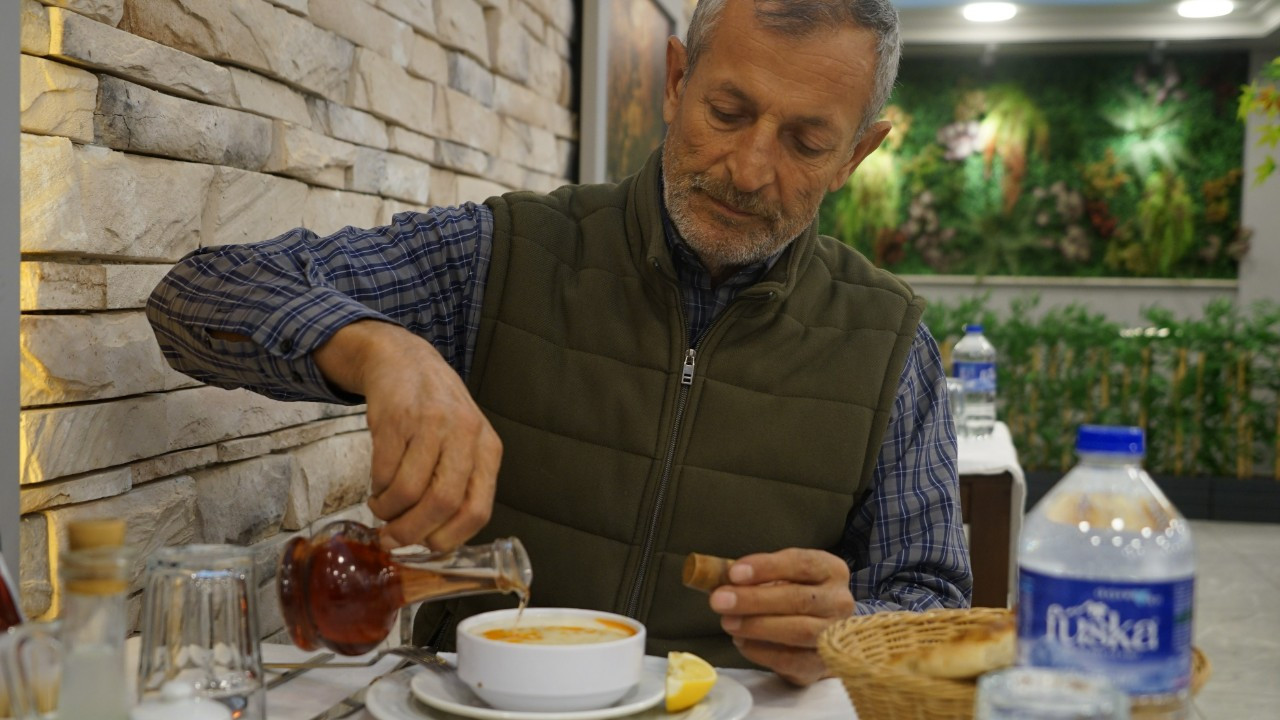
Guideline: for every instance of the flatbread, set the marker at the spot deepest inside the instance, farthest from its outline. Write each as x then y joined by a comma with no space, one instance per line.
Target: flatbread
966,655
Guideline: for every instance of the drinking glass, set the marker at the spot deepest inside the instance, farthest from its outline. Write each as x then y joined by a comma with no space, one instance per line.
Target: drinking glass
1028,693
200,628
30,668
955,397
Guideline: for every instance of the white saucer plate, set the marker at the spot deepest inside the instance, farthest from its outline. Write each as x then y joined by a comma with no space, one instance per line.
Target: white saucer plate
430,695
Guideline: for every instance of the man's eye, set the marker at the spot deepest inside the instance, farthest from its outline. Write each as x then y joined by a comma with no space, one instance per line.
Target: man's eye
722,116
808,151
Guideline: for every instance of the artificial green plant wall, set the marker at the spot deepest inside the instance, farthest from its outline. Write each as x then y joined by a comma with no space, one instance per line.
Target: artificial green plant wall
1077,166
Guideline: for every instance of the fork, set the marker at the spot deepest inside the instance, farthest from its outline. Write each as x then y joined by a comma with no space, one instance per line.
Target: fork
419,656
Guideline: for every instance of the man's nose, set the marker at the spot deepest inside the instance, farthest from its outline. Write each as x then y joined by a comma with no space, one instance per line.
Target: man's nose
753,162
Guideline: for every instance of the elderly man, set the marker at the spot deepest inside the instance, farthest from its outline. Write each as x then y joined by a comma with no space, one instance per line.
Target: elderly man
622,374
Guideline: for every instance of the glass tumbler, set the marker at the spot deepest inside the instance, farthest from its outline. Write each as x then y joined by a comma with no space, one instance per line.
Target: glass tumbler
1027,693
30,669
955,398
200,627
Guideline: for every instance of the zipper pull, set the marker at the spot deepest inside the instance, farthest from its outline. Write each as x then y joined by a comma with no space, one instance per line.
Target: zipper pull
686,372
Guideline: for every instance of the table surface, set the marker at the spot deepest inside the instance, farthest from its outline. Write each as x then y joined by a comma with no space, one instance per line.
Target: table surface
995,455
303,697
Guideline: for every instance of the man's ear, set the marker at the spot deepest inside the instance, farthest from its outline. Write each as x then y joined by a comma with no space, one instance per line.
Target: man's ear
871,140
676,72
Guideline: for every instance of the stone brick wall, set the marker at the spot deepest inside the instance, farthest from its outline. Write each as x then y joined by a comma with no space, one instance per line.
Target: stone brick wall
155,127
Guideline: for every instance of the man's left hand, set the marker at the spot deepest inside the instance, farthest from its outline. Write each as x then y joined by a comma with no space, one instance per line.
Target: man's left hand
779,603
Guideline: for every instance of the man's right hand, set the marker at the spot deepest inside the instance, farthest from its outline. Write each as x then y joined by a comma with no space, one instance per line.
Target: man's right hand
435,456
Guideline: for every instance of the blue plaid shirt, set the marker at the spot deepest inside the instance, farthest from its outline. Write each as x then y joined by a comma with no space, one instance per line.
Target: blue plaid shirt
904,544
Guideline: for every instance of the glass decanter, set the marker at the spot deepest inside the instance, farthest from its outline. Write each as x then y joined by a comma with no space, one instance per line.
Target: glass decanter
341,590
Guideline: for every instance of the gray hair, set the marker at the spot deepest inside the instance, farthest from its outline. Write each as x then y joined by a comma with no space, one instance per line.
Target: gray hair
799,18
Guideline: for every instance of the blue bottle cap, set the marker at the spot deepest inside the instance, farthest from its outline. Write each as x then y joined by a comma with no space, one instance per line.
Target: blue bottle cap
973,328
1114,439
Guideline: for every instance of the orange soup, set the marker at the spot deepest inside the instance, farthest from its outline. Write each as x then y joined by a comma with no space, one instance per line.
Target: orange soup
601,630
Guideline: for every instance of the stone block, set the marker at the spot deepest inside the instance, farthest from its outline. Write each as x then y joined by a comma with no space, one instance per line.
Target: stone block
79,40
62,286
494,5
473,189
33,36
104,11
265,96
516,100
332,474
429,60
529,146
421,14
140,120
509,174
57,442
80,358
129,286
207,415
246,207
243,448
390,175
57,99
558,13
532,21
366,26
545,69
470,77
157,515
243,502
249,33
307,155
174,463
465,120
408,142
357,513
559,42
328,211
35,581
95,202
346,123
444,188
266,558
297,7
510,45
93,486
51,217
460,25
270,617
463,159
386,90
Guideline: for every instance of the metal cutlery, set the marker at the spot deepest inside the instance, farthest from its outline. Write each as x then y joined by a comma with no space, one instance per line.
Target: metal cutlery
314,661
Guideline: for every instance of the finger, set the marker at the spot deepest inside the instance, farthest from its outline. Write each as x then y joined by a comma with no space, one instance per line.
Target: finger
412,478
796,565
388,451
799,666
784,598
437,505
477,507
791,630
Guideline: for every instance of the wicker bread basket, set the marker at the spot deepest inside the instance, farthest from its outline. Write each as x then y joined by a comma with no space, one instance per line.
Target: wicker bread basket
857,651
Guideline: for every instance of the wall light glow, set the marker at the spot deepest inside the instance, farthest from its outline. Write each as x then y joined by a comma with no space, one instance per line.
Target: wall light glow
1205,8
989,11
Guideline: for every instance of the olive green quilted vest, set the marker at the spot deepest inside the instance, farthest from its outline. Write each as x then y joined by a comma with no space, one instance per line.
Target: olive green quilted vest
624,451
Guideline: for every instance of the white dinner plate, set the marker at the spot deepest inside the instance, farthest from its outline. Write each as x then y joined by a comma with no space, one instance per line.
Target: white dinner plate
392,698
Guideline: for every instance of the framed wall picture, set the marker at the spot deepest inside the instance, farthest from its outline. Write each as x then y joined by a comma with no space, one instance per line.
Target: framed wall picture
623,70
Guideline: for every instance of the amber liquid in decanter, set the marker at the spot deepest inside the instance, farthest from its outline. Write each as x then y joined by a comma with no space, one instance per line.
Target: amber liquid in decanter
341,590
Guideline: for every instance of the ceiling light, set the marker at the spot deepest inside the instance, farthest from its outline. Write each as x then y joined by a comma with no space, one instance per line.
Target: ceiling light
989,11
1205,8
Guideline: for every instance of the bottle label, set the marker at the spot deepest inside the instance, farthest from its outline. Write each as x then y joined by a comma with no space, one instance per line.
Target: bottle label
1137,634
977,376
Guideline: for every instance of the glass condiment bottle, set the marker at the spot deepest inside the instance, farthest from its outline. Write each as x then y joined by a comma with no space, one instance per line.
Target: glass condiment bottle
10,606
96,570
341,589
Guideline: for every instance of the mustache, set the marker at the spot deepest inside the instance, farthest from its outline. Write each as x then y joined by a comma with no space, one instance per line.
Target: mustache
726,193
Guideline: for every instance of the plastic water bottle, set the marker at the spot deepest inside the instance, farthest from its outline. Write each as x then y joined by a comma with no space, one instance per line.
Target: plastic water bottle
1106,575
973,360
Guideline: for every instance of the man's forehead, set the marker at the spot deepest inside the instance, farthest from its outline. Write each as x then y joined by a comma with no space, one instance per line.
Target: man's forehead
812,119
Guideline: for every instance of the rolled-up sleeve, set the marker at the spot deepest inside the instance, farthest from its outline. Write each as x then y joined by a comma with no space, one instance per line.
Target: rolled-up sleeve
289,295
905,543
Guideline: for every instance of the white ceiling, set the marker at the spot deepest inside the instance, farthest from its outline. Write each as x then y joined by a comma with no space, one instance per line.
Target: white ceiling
938,23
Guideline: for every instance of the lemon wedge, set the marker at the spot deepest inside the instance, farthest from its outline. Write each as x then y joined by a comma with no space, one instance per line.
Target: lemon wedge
689,679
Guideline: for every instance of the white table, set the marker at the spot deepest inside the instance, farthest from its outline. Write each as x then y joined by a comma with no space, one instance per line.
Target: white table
303,697
993,492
